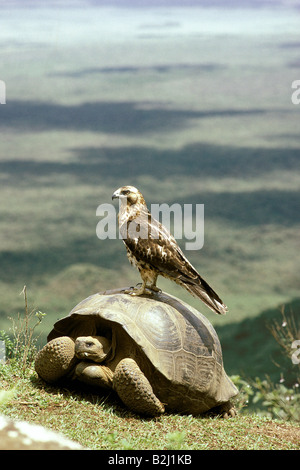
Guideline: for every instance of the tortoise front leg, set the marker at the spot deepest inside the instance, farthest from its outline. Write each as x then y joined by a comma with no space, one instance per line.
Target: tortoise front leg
56,359
135,390
94,374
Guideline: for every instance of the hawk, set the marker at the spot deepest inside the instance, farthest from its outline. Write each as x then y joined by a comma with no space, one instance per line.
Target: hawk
154,251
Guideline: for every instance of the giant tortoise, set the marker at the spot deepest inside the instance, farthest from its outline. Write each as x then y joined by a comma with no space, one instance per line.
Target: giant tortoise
155,351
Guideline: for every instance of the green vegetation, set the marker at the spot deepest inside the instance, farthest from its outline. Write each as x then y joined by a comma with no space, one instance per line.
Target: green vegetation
102,423
96,100
74,409
74,412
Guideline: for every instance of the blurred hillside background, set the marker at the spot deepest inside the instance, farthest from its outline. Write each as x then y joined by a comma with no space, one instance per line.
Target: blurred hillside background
191,104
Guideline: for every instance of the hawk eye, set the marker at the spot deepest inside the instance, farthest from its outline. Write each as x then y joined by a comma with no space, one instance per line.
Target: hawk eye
125,192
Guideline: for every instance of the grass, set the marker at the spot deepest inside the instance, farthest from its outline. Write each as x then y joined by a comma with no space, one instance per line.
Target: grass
101,422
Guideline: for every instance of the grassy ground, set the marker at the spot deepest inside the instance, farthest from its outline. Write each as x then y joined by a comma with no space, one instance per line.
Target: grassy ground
101,422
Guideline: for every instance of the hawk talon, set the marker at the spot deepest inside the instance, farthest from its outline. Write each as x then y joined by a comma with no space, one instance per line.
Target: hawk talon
128,291
155,289
143,289
134,290
140,291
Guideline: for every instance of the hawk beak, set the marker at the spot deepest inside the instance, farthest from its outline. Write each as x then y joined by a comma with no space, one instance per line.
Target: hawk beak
116,194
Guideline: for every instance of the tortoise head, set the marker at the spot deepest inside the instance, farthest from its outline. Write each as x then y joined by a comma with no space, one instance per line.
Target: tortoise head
92,348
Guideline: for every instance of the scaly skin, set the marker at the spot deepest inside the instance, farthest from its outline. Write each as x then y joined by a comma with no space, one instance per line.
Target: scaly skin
135,390
56,359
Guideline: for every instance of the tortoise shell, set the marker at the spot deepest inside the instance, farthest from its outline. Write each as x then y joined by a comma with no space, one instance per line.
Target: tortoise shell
177,347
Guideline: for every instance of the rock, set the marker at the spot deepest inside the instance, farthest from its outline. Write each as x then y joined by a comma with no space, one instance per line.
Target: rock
21,435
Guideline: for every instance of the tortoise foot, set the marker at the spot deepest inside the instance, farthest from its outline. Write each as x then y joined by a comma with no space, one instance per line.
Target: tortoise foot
231,413
227,410
135,390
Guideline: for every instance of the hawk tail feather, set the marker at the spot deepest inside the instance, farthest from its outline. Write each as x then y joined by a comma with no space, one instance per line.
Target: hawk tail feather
210,298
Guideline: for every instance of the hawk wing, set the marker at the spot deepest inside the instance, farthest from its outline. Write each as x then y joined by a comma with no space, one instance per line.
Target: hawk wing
151,243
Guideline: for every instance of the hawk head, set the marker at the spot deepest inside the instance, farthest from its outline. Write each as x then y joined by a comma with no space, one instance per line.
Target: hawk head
130,195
